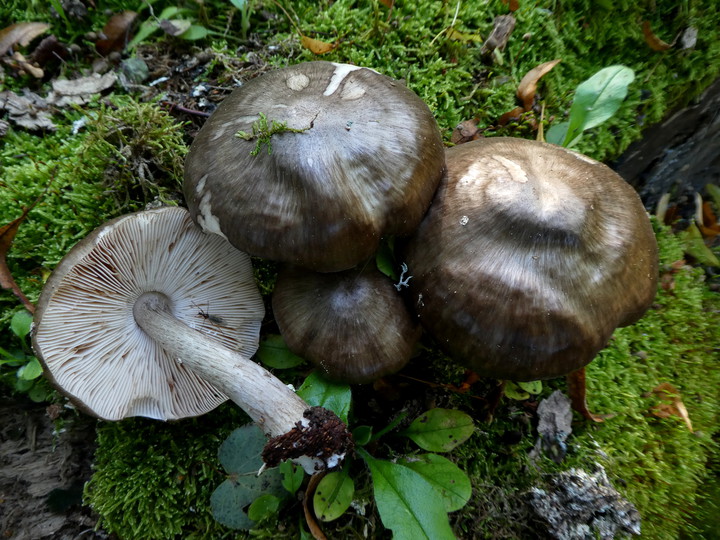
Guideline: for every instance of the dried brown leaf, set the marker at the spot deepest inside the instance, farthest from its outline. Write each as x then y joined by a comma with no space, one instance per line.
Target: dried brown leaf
116,32
528,85
654,42
388,3
20,34
310,518
7,235
513,5
465,132
671,404
316,46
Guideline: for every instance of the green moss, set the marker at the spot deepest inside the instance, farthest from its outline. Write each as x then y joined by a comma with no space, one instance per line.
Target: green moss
129,154
153,480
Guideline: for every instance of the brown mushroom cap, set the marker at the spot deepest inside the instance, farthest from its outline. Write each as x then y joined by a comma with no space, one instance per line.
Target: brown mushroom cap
529,258
353,325
366,164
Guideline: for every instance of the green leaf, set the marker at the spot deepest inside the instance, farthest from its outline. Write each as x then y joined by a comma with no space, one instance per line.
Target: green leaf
597,99
361,435
556,133
30,371
451,483
406,502
513,391
694,245
240,455
273,352
319,392
385,258
239,4
194,32
440,430
292,476
531,387
263,507
20,323
333,495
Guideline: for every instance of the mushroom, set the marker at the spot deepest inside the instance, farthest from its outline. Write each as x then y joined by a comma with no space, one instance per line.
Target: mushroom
529,257
323,159
149,316
353,325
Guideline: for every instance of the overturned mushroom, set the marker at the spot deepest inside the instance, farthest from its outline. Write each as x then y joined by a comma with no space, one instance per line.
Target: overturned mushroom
529,258
149,316
353,325
323,159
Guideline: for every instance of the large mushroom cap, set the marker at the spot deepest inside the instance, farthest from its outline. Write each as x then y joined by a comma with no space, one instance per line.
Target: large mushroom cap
366,164
352,325
529,258
87,337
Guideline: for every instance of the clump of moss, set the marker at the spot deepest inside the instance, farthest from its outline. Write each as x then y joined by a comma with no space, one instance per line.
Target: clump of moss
153,480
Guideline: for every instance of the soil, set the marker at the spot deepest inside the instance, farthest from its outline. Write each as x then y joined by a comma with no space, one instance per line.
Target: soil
42,472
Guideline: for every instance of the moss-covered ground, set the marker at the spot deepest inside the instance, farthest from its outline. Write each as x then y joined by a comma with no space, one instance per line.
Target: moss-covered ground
154,480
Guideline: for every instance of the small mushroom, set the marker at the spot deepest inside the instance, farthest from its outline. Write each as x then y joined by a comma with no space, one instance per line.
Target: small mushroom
149,316
529,258
322,159
352,325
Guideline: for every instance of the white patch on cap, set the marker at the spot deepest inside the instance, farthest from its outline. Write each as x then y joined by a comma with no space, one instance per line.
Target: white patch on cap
297,81
341,71
516,171
207,221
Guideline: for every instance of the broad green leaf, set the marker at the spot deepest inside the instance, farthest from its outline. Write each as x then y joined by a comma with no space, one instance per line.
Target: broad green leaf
333,495
513,391
532,387
263,507
195,32
30,371
239,4
319,392
406,502
440,430
597,99
20,323
556,133
240,455
451,483
361,435
292,476
273,352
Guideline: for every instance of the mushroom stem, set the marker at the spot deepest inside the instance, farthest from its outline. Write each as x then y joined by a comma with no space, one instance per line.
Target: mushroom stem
313,437
264,397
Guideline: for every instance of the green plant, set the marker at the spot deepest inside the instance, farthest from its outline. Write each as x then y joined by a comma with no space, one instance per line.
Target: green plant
263,131
26,371
596,101
413,492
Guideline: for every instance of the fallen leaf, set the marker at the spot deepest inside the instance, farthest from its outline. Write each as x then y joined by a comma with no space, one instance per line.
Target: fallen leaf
498,38
92,84
316,46
174,27
670,405
654,42
20,34
310,518
29,111
709,225
49,51
465,131
388,3
7,235
513,5
116,32
528,85
515,114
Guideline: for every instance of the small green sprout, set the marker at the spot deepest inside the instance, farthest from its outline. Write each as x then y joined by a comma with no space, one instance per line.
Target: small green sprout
262,131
